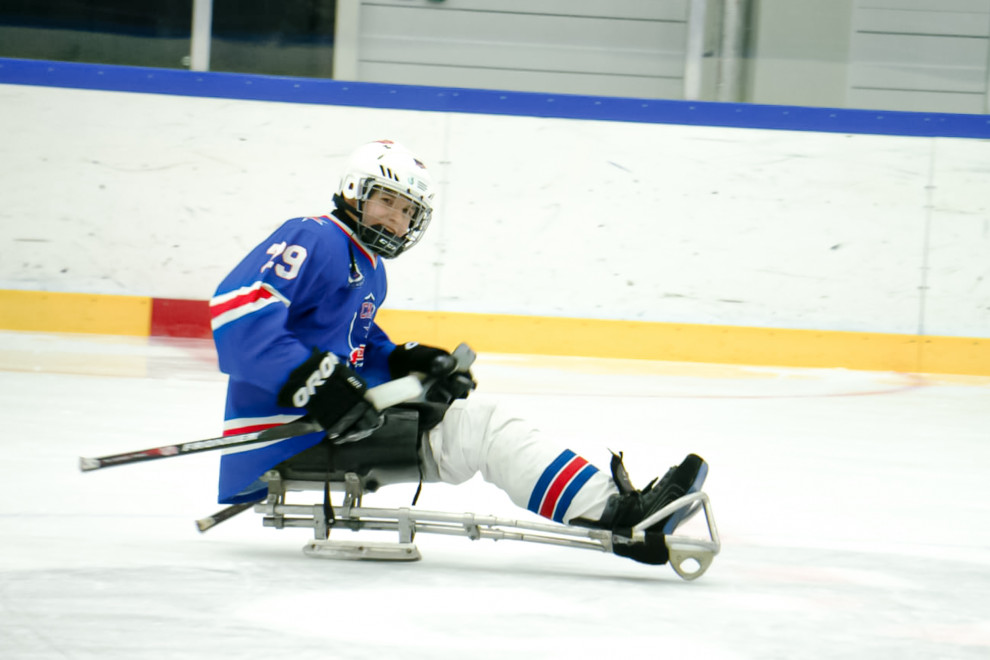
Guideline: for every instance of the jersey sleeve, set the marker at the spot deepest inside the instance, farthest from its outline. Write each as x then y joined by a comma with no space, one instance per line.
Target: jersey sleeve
376,355
251,308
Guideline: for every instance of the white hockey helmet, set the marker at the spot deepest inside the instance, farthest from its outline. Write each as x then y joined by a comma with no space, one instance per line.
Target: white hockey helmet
388,166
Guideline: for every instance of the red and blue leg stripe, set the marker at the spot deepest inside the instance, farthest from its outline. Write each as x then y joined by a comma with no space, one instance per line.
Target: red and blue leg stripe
558,485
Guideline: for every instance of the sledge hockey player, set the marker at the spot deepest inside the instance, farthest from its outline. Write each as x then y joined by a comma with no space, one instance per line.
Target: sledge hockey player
294,327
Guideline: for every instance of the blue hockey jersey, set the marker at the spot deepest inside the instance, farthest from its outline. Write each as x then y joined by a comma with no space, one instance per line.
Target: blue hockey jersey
311,284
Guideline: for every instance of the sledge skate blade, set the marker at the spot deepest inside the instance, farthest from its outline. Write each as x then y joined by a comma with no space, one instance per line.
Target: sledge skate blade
689,557
690,560
353,550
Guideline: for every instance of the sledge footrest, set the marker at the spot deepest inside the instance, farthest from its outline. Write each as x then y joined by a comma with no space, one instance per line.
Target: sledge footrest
378,551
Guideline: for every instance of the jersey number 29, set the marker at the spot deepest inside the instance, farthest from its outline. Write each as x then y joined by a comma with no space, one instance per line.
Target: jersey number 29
291,257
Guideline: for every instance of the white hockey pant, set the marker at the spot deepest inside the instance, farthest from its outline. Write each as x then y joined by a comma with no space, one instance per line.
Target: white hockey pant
478,436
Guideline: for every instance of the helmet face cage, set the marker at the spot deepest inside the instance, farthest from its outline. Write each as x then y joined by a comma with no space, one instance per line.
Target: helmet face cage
382,240
390,168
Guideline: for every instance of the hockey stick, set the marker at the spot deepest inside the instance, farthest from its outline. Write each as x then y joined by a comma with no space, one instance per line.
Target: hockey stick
381,397
459,361
209,522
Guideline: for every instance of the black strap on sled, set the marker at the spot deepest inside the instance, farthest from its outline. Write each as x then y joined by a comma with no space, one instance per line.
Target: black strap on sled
419,489
328,515
419,449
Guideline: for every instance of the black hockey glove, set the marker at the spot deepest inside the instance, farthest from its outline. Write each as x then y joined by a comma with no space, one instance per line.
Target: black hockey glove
331,392
456,385
426,360
443,383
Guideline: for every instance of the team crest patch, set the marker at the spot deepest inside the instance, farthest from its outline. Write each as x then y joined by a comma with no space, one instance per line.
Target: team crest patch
355,277
357,335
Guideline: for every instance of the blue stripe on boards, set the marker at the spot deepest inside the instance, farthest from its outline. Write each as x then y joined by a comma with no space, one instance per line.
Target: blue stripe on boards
485,101
579,480
540,489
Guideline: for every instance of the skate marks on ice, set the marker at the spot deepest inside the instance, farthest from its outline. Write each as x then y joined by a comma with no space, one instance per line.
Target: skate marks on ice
852,526
102,355
487,603
655,379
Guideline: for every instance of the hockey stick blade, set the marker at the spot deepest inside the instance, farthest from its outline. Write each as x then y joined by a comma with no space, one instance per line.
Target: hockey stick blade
210,522
383,396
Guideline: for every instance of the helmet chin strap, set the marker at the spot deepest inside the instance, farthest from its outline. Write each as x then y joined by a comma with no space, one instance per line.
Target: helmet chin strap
347,213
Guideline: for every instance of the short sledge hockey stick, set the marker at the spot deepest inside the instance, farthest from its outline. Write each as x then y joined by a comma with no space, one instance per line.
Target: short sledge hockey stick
459,361
383,396
227,513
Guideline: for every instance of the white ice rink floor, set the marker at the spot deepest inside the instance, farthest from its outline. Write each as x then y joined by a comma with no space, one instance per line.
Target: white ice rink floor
854,510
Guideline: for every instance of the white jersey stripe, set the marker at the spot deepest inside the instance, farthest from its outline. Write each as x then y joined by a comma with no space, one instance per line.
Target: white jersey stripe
231,306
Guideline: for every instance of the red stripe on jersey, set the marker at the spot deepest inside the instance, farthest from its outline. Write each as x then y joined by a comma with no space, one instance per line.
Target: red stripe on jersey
254,295
559,483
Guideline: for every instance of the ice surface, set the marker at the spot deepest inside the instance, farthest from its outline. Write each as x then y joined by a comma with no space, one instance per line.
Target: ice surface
854,510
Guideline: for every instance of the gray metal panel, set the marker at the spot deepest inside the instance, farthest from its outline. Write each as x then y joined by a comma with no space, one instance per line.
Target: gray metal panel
535,43
527,46
973,24
929,5
920,78
676,10
913,101
929,55
524,57
916,62
522,81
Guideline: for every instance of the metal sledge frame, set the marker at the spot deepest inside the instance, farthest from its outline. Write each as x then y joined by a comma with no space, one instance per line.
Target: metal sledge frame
689,557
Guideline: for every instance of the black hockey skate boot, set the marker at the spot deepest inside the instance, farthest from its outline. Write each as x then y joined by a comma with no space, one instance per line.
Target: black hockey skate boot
629,507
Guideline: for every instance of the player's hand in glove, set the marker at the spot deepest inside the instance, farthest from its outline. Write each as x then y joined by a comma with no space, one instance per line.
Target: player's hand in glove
456,385
444,383
427,360
331,392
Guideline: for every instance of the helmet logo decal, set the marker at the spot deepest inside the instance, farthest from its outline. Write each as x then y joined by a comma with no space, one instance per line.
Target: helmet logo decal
388,173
